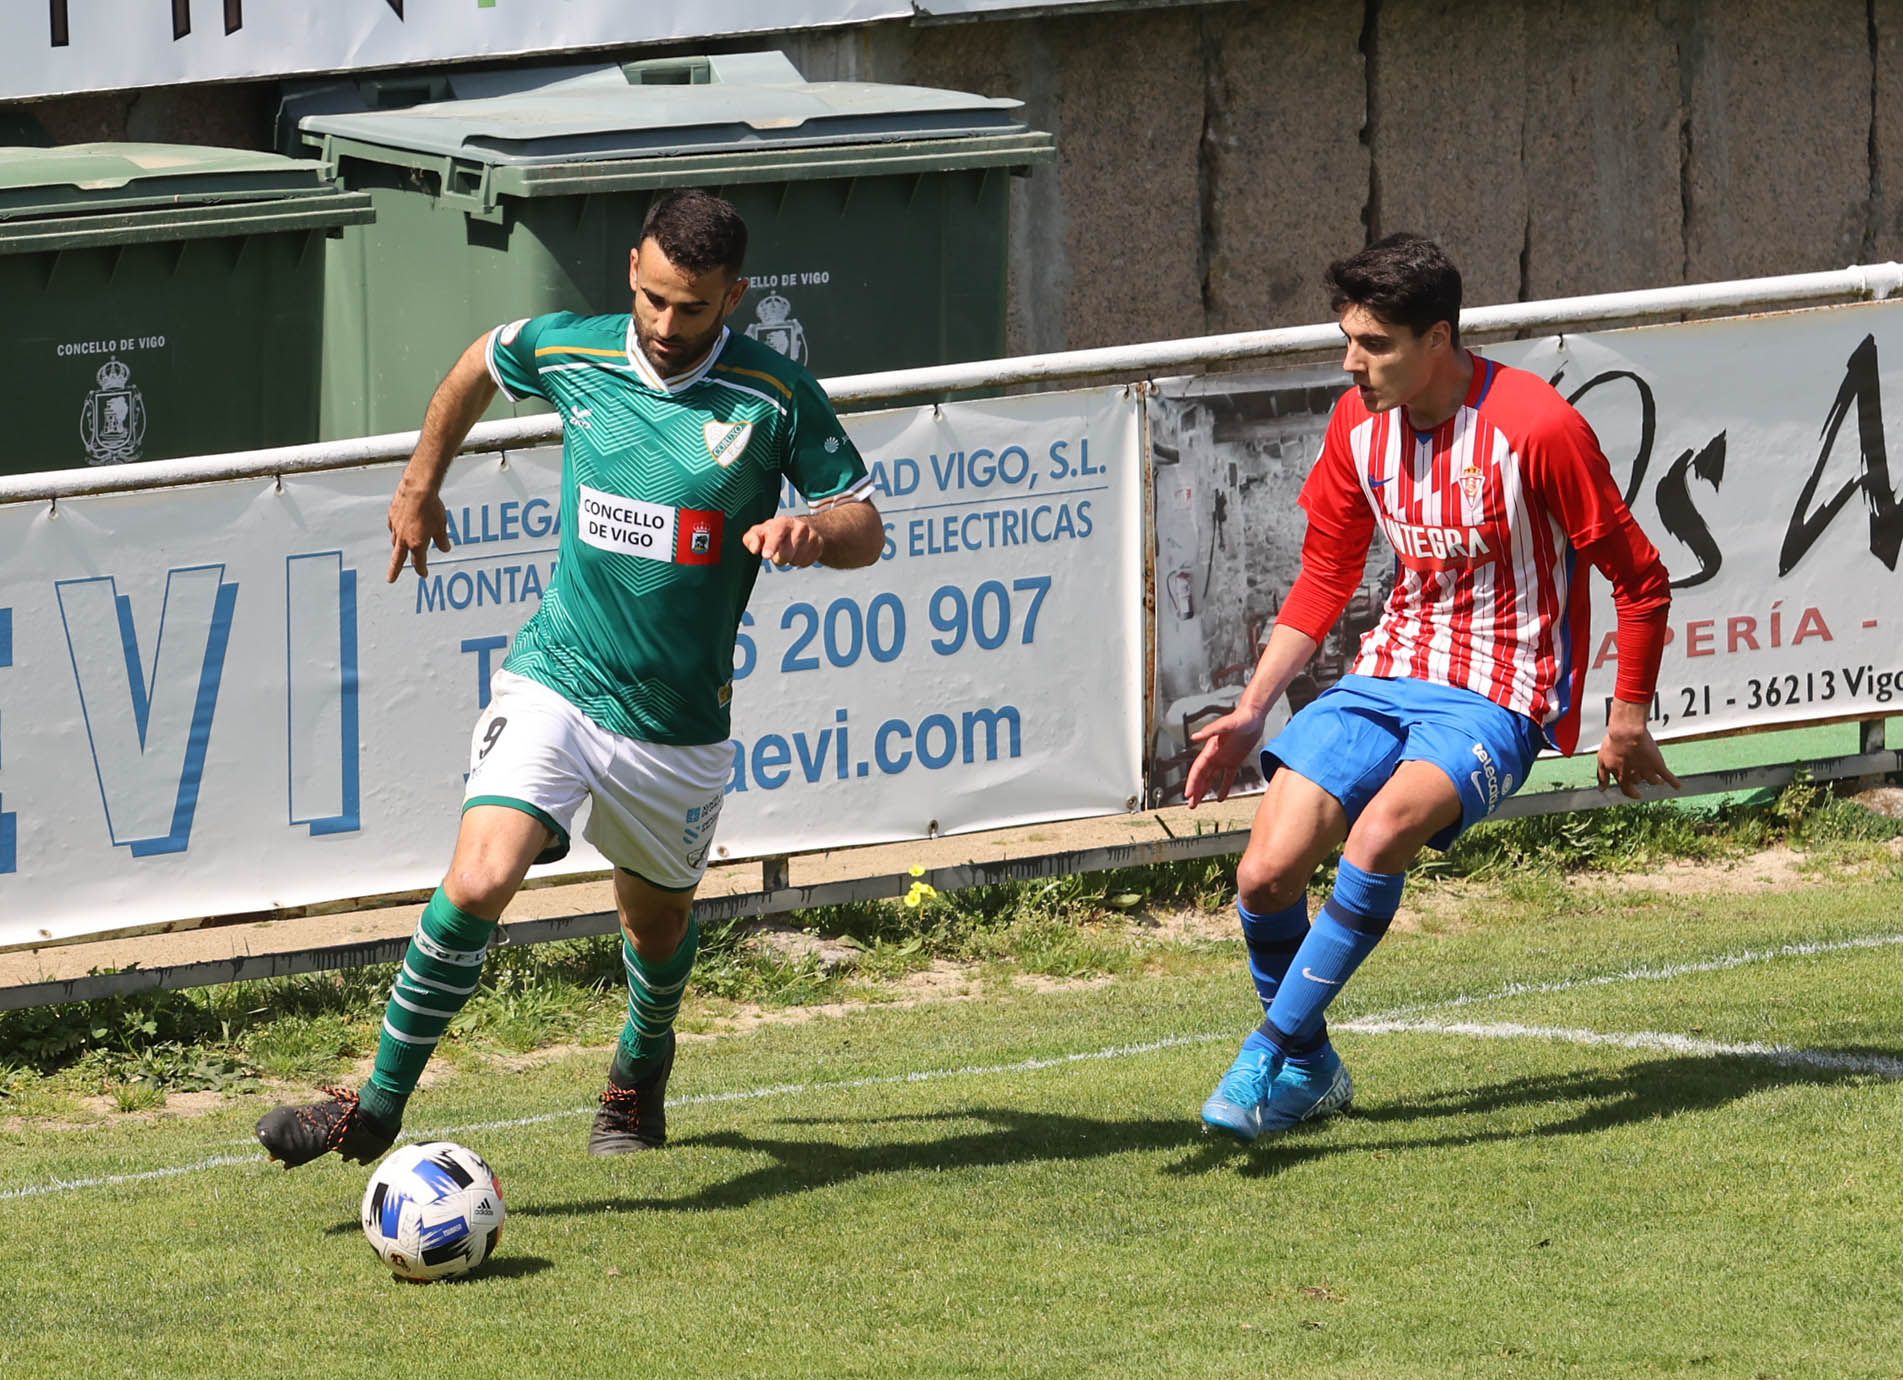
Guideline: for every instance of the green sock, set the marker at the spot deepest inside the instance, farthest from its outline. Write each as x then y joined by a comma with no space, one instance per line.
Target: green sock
654,1000
438,976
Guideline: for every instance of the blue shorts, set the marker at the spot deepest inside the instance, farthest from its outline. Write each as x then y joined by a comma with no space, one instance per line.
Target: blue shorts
1350,739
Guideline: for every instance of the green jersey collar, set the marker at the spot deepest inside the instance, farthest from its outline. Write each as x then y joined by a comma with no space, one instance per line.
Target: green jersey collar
645,371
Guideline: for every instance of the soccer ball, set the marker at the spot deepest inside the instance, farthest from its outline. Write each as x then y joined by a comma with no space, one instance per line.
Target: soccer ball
433,1211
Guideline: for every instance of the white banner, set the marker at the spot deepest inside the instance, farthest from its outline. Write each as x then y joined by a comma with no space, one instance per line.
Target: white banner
1753,452
58,47
1754,455
211,702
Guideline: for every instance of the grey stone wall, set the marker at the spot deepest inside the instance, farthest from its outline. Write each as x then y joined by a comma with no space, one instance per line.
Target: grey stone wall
1778,108
1214,157
1886,128
1605,205
1285,168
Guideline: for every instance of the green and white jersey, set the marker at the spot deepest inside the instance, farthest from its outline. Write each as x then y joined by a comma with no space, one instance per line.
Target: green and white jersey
660,477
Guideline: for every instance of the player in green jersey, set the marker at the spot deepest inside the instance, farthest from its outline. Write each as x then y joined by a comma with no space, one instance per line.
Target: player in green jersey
677,437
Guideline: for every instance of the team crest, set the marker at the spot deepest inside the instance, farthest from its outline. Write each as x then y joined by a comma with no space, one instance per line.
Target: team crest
701,540
112,421
778,329
726,440
1472,481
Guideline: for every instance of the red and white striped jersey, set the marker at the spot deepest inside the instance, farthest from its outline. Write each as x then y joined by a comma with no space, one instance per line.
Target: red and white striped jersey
1488,514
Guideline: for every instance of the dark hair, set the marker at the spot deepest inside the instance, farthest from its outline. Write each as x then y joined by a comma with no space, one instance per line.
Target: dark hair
697,231
1405,280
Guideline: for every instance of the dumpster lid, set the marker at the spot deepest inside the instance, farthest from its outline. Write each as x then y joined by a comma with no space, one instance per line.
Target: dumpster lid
116,177
733,102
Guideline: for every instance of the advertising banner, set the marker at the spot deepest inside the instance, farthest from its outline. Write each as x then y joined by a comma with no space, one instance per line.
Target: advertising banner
212,703
59,47
1754,454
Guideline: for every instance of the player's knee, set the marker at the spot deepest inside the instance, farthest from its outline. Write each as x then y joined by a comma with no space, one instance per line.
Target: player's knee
1388,836
1265,883
481,886
656,935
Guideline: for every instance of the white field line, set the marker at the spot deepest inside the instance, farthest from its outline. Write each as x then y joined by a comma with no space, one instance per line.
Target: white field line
1396,1021
1651,1040
109,1180
874,1081
1662,973
697,1099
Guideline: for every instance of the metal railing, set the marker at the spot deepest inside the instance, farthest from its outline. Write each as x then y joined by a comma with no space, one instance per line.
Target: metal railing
1870,282
1865,283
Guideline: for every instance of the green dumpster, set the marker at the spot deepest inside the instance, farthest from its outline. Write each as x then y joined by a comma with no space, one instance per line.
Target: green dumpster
877,214
162,300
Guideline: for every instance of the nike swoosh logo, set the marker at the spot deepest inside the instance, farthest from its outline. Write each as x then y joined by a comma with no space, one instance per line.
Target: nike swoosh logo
1312,978
1377,483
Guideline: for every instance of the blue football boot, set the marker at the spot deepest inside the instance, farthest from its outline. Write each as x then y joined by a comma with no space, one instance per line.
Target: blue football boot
1237,1106
1306,1089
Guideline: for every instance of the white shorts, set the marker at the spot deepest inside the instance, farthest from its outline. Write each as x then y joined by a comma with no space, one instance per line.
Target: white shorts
655,804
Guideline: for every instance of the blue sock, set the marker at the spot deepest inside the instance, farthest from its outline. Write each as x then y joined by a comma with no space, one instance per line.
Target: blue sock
1272,939
1257,1041
1351,924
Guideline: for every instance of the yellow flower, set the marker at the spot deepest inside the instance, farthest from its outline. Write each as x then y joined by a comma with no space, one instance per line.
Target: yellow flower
917,870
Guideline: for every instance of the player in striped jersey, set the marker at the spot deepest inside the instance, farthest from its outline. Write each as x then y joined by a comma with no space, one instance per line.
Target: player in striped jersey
1495,497
677,438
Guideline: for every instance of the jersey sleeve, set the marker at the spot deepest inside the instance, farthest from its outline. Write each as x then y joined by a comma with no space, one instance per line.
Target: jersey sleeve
1335,548
510,354
821,459
1569,472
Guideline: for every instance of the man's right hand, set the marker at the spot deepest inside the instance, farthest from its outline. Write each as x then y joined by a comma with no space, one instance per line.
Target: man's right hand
418,521
1227,743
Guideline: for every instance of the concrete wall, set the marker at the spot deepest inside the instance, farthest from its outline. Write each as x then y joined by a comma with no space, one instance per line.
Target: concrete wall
1601,152
1214,157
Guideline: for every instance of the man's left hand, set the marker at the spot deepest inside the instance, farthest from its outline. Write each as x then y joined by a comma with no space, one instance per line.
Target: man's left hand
1629,756
784,541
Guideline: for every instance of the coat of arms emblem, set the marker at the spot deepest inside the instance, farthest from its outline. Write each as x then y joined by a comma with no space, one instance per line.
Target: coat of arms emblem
112,422
778,329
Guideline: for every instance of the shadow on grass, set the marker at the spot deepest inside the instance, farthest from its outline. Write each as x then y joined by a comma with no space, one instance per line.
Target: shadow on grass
800,1166
1653,1090
504,1266
501,1266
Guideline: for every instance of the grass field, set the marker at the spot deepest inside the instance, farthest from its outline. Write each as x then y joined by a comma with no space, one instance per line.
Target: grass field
1604,1129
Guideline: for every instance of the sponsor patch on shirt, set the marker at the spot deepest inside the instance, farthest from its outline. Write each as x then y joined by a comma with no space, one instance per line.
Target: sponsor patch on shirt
652,531
1441,548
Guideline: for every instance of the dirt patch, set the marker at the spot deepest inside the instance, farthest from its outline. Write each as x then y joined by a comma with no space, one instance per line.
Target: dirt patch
533,1059
940,984
176,1106
1189,924
830,954
1774,869
1882,800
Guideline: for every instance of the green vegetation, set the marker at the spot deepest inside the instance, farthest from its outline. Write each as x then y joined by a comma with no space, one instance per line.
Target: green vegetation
1016,1185
232,1039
